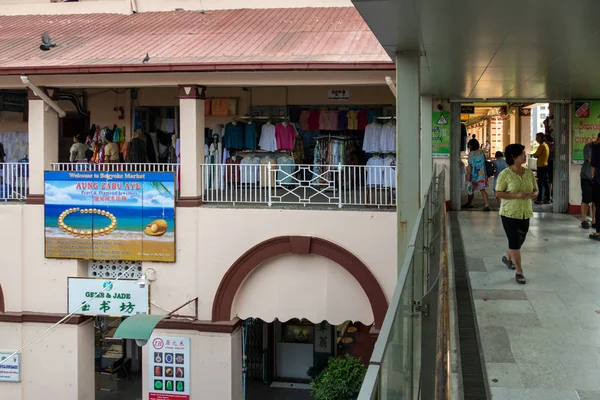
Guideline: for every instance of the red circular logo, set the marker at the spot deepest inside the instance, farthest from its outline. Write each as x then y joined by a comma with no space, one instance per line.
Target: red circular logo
158,343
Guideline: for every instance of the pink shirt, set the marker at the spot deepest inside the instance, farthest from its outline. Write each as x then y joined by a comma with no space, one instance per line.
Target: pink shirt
285,136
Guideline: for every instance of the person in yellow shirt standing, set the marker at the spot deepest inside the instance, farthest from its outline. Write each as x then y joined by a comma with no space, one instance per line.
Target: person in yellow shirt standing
516,187
542,154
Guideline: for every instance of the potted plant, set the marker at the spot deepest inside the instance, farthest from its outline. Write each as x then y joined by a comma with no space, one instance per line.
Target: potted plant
340,380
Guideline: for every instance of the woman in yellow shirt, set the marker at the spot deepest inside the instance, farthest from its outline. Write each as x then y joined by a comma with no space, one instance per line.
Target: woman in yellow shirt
517,187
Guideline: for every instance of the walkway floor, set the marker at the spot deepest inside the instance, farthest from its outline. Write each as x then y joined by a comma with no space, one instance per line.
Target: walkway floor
541,341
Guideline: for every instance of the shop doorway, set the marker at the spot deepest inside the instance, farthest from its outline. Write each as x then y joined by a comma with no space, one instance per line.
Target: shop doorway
495,125
281,358
118,363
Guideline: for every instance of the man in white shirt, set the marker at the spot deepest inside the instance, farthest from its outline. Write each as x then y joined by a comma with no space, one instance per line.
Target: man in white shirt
77,150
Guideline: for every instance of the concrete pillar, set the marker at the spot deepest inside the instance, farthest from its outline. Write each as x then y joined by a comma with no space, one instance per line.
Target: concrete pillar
525,138
191,111
426,143
408,110
43,144
455,168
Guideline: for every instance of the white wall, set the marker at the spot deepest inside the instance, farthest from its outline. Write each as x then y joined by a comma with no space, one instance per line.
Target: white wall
209,241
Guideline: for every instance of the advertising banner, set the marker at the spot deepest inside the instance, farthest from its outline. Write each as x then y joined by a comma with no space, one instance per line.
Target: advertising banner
586,126
10,369
121,298
169,373
440,136
110,215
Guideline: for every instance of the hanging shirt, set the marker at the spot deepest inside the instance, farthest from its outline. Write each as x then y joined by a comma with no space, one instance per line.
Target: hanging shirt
363,119
388,138
352,117
250,136
250,170
372,141
264,171
303,120
267,138
389,174
286,170
374,171
232,170
285,136
342,121
234,136
313,120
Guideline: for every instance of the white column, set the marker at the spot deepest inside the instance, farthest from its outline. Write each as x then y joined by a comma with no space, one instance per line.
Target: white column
43,144
191,111
408,110
426,143
455,167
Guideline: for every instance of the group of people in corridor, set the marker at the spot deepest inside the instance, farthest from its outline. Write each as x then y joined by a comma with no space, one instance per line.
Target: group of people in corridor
516,188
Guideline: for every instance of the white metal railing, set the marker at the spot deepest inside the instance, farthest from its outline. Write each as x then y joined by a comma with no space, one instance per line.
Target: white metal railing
338,185
14,181
116,167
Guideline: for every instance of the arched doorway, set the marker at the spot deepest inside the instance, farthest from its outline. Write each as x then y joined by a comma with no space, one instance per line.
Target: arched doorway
268,249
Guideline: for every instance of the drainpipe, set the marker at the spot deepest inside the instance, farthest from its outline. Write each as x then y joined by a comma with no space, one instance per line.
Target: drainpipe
391,85
40,93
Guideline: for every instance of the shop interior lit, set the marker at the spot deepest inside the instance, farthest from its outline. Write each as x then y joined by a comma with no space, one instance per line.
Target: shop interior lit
283,357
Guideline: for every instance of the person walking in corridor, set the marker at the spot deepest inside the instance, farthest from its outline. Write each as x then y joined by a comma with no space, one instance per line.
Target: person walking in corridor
476,175
542,154
517,188
595,162
587,186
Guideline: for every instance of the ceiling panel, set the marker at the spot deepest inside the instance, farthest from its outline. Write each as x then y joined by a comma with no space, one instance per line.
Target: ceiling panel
513,48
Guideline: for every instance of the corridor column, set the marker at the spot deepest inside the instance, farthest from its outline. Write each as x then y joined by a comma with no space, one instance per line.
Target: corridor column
426,143
408,111
43,143
191,111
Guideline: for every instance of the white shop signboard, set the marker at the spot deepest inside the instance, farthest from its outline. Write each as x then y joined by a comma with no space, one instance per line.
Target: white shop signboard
169,368
10,368
339,94
121,298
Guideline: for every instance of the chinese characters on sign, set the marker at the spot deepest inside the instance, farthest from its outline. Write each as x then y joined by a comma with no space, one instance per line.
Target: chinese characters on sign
440,136
10,370
169,368
586,125
110,215
323,338
339,94
121,298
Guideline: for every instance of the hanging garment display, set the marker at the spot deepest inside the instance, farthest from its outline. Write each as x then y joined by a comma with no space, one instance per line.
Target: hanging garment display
285,135
267,138
374,171
372,141
234,136
388,138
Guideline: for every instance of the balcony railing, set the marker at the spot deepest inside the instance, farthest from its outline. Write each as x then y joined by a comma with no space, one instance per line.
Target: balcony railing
410,359
14,181
269,184
115,167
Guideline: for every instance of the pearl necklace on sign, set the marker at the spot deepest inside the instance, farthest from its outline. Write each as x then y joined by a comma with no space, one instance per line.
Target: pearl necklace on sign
83,233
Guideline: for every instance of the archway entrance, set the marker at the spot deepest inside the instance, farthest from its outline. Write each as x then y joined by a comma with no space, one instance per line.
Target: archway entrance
298,297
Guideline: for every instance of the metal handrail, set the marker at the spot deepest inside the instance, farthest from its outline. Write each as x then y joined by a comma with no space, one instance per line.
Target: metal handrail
372,385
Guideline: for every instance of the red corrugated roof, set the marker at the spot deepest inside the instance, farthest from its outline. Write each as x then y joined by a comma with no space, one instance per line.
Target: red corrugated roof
293,38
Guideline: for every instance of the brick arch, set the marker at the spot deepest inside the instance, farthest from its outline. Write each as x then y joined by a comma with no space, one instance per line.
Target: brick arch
249,261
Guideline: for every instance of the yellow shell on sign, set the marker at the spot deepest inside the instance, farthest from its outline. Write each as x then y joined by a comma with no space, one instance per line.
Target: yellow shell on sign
156,228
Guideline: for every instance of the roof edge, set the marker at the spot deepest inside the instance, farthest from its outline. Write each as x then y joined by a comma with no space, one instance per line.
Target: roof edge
212,67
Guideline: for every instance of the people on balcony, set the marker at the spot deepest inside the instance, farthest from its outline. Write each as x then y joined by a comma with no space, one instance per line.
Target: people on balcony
78,149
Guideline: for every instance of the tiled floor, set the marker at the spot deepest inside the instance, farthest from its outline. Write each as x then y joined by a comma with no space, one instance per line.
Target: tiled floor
540,340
